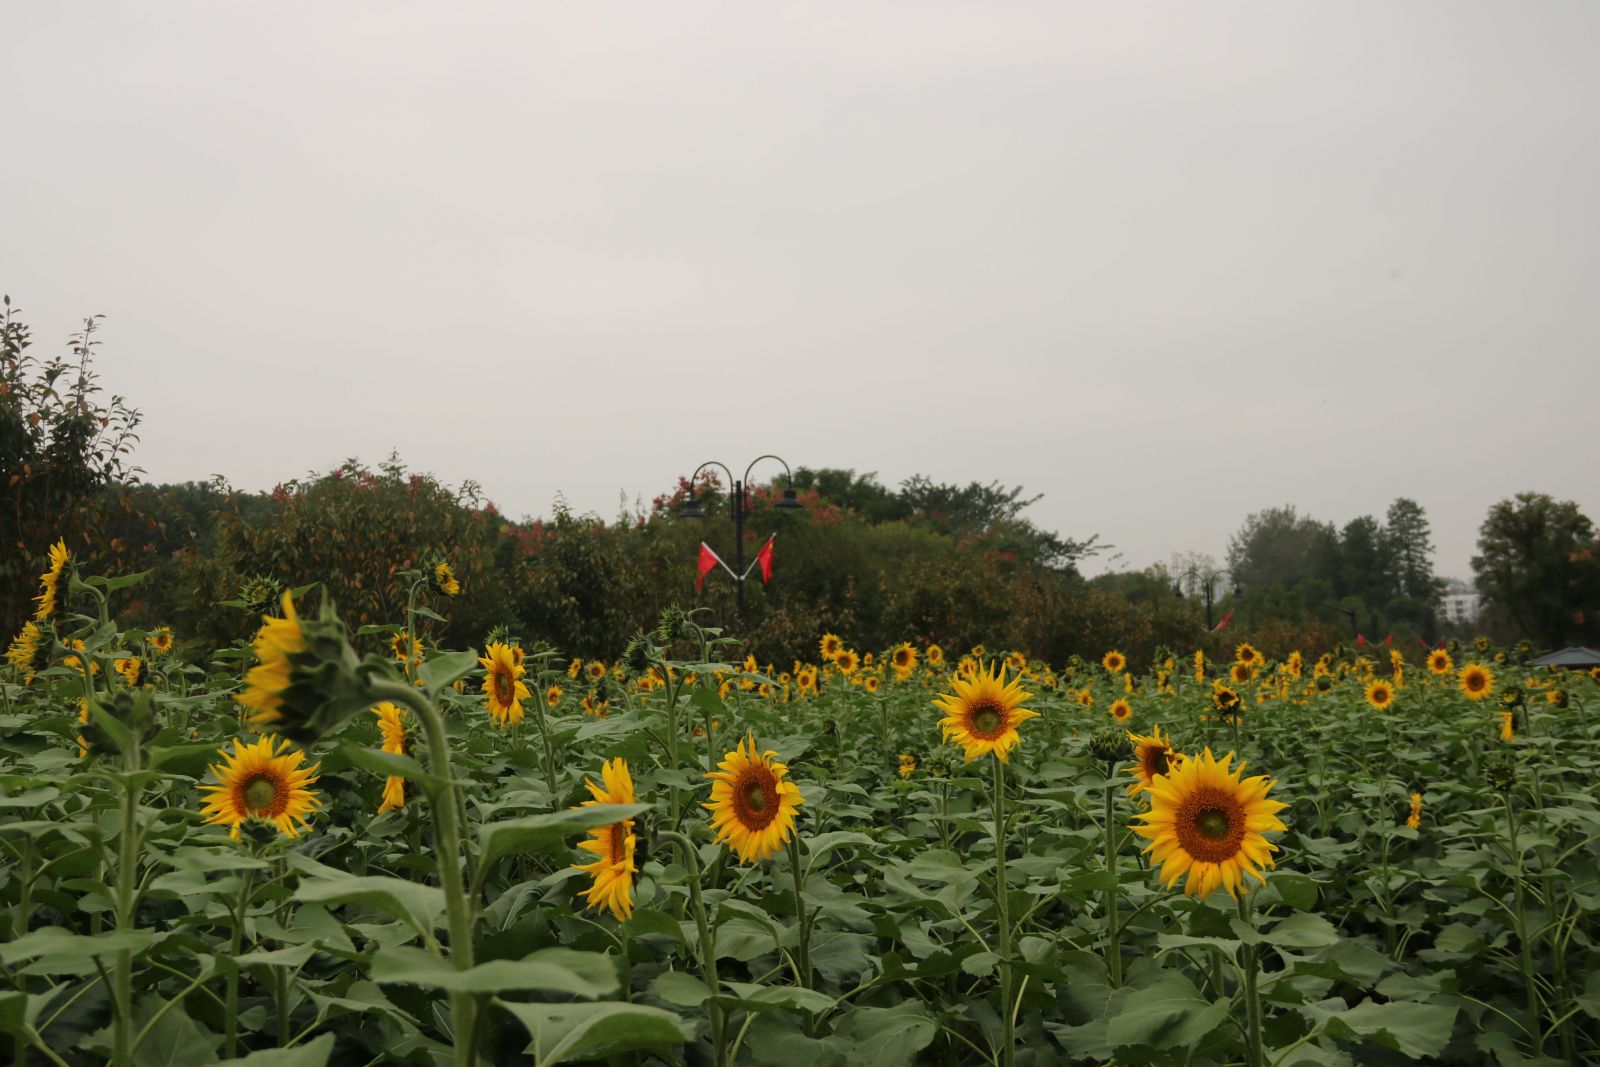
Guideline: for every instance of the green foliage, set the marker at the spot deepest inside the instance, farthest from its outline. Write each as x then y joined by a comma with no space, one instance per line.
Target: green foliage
1538,566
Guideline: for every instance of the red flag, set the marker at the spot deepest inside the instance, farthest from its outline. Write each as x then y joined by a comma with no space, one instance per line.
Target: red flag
1388,639
1361,642
1224,622
708,560
764,557
1423,642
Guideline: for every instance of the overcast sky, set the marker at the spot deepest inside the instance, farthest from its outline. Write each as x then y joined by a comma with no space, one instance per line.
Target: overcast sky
1167,264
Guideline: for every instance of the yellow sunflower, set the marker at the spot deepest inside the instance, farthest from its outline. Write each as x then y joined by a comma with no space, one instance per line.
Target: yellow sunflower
502,681
983,713
50,600
752,804
872,684
1207,824
444,580
275,642
1085,698
904,658
1476,681
830,645
1439,662
574,668
83,720
1241,673
908,765
1121,710
1016,661
934,656
1249,655
1153,756
28,652
1224,698
596,669
1199,666
1380,695
847,661
595,707
552,696
262,779
406,649
161,640
1506,720
1414,820
1114,661
392,729
612,845
805,679
133,669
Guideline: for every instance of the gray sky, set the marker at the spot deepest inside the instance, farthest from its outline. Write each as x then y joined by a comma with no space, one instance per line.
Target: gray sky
1165,263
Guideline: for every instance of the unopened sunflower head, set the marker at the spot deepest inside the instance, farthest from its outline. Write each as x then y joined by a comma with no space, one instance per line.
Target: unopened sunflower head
672,625
307,678
639,656
1110,745
258,593
1500,773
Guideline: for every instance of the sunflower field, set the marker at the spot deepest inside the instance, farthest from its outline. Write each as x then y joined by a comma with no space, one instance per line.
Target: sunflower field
338,845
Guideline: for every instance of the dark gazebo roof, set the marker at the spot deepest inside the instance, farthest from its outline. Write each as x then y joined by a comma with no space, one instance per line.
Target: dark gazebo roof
1570,657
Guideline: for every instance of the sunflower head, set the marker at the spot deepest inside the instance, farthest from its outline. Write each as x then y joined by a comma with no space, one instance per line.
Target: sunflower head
1380,694
1206,825
872,683
51,600
908,765
847,661
673,625
1224,698
265,779
1414,820
135,670
29,652
307,679
1248,655
613,846
904,658
392,731
257,594
830,645
753,804
1476,681
640,655
1121,710
503,686
1114,661
1110,746
443,580
1501,774
1153,756
1439,662
552,696
983,712
161,640
934,656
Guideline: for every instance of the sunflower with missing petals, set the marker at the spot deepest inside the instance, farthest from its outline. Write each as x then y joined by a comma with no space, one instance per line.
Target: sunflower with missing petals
262,779
50,599
1153,756
1114,661
133,669
753,804
983,713
613,868
1240,673
1380,695
1414,820
265,683
1476,681
1224,697
503,685
1121,710
1205,825
392,731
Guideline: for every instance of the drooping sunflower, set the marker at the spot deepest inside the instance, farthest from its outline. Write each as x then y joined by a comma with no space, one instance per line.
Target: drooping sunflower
28,653
753,804
1153,756
1414,820
847,661
275,642
1121,710
1439,662
443,580
1476,681
392,730
1380,695
908,765
830,645
161,640
502,682
613,845
133,670
934,656
1114,661
83,720
1507,718
264,779
50,600
1205,825
903,658
983,713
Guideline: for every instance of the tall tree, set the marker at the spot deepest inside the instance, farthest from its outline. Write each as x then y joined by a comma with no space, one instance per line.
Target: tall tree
1410,543
1537,567
1278,547
1366,562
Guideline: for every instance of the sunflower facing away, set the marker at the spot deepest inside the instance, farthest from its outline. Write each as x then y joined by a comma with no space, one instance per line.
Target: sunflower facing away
392,728
49,598
1121,710
612,846
1153,756
1114,661
752,804
1476,681
263,779
983,713
28,652
275,642
1207,824
502,681
1507,718
1439,662
1380,694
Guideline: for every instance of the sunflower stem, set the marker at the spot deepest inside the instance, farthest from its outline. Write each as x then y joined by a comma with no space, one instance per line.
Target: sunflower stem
800,909
1250,967
1007,1016
127,904
1535,1031
706,944
230,1021
1113,934
447,833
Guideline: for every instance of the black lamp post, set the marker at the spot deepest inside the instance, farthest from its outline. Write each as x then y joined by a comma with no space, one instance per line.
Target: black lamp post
1208,593
1351,612
692,509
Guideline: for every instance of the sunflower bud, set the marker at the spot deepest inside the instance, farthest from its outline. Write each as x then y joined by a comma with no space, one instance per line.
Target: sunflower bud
1110,745
307,679
1324,683
639,656
1501,774
257,594
672,625
259,834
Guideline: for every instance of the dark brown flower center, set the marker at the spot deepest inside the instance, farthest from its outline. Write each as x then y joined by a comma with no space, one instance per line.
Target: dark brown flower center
1210,825
755,798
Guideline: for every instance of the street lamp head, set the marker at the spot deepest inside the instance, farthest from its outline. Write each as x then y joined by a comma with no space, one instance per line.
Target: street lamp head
691,509
1177,591
789,500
